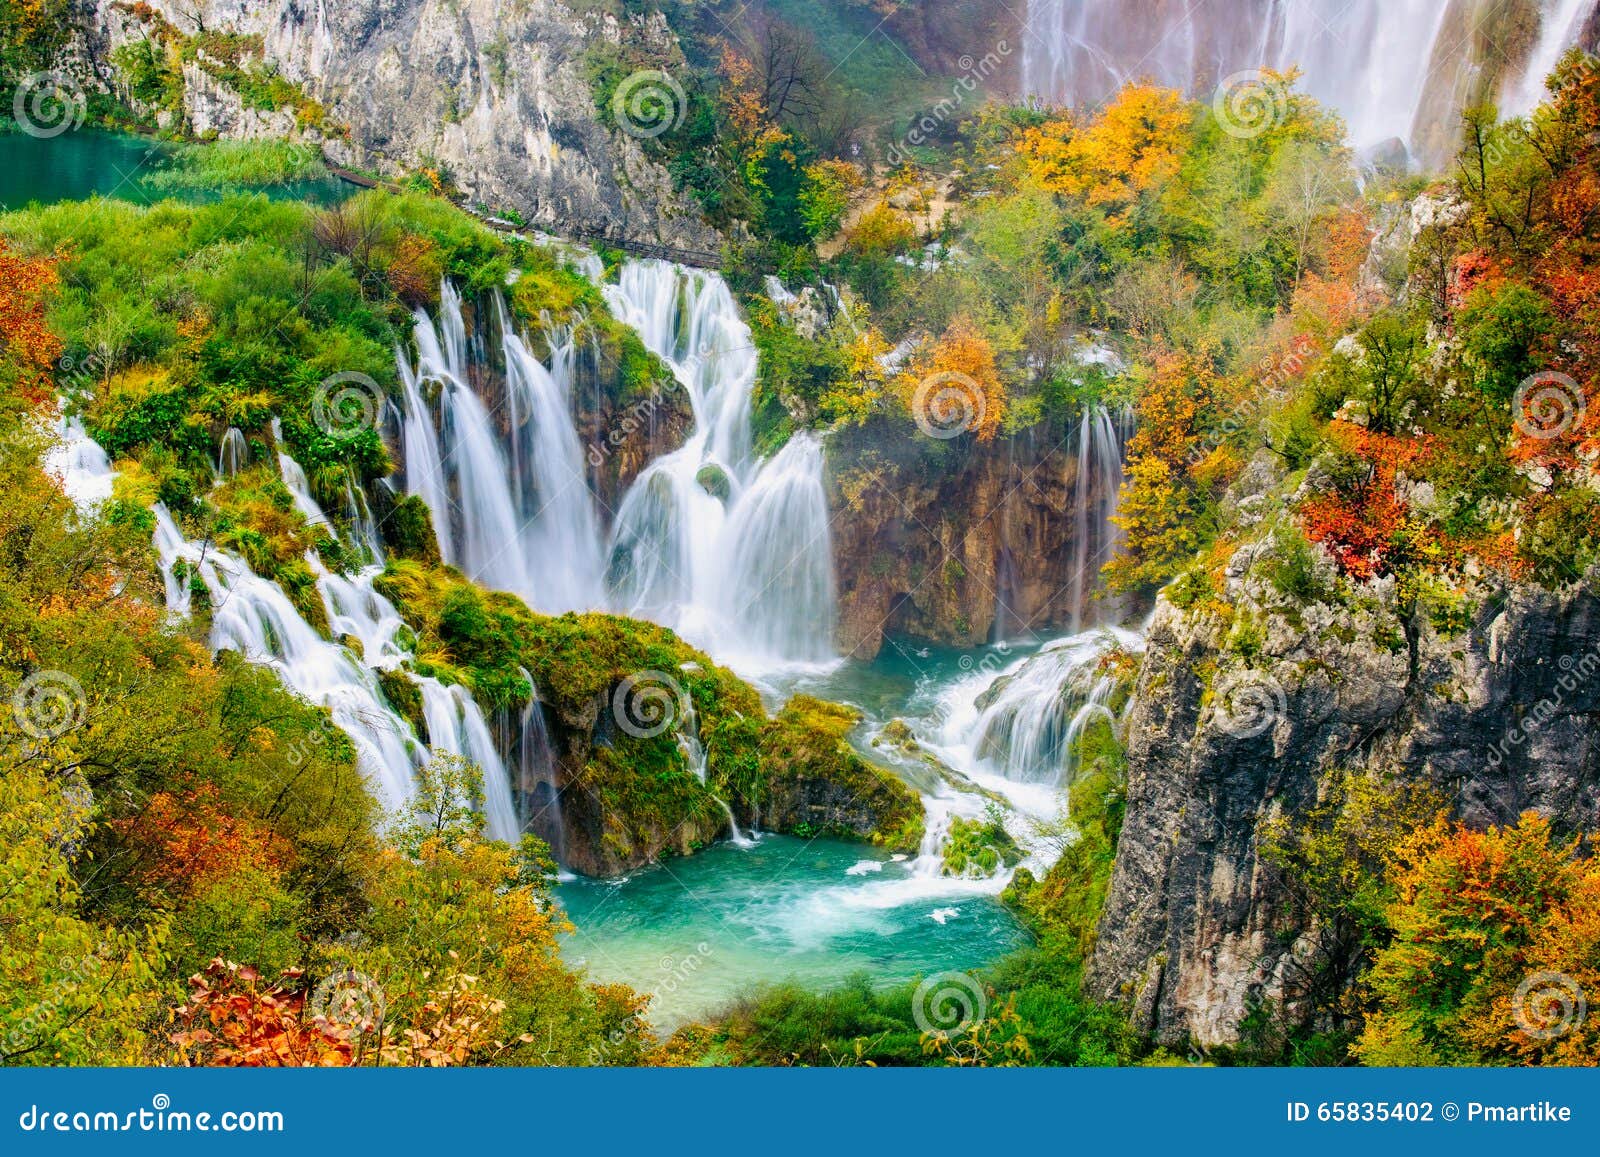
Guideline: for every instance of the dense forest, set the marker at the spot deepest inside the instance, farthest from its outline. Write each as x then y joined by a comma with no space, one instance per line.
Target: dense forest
1372,385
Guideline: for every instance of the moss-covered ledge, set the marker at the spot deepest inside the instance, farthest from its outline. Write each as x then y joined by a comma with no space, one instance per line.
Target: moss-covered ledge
629,793
817,784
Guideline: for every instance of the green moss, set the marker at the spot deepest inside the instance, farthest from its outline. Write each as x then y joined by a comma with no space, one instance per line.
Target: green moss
410,530
805,747
980,847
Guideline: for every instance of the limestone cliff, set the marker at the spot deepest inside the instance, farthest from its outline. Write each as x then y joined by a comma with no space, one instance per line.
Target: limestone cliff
965,542
495,92
1238,714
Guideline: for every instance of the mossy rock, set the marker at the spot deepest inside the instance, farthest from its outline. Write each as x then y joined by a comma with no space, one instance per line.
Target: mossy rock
818,785
713,479
409,529
405,697
979,848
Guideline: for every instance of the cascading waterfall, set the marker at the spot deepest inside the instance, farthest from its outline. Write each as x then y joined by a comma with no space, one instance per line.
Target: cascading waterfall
734,553
1102,440
694,755
522,519
254,617
234,453
1394,69
80,465
1560,26
1022,724
457,726
535,785
547,474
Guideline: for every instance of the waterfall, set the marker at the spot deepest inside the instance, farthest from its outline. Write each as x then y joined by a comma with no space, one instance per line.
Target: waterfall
694,755
457,726
362,522
234,453
424,469
1560,25
294,477
522,519
778,584
535,780
1023,724
547,475
80,465
254,617
1102,437
1392,68
734,553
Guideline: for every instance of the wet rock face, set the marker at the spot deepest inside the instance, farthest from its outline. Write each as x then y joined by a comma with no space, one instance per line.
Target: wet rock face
1499,718
985,542
497,93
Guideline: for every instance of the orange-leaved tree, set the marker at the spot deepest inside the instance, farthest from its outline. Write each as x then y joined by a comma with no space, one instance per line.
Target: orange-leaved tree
1496,950
955,386
27,347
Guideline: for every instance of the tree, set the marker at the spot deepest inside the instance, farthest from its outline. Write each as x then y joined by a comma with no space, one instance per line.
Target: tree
956,388
1492,930
28,348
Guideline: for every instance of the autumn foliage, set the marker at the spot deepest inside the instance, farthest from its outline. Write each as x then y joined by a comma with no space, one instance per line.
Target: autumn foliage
28,349
1496,939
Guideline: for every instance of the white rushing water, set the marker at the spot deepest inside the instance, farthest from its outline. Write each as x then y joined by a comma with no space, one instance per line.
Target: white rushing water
79,464
732,551
1392,68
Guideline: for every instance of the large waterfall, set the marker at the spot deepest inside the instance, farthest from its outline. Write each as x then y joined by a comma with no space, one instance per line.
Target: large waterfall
1393,68
732,551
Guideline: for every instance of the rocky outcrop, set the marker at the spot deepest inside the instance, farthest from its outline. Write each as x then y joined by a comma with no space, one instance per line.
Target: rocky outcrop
962,542
497,94
1237,718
